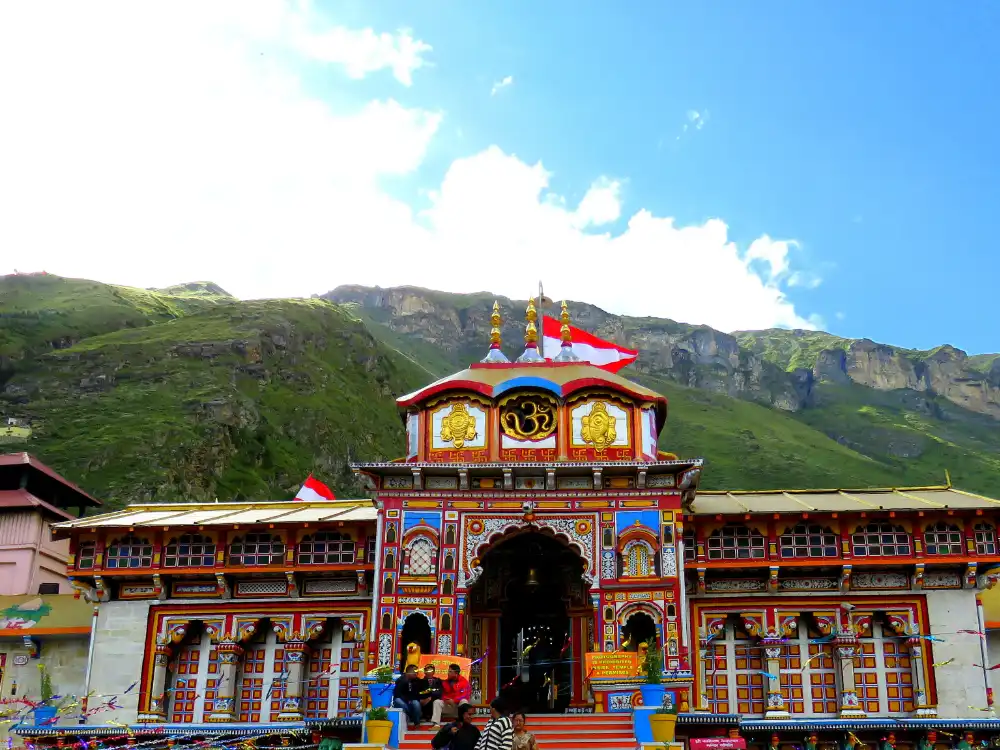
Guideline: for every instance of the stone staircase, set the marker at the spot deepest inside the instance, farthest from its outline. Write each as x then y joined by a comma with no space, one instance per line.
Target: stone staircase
559,732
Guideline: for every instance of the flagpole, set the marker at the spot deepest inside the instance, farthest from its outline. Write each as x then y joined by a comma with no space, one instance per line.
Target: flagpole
541,309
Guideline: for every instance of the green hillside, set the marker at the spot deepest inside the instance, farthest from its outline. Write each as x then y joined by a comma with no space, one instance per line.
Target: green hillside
186,393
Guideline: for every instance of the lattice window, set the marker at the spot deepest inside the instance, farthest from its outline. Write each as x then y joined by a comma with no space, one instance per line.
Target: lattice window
370,550
808,540
326,548
324,678
262,681
86,555
880,539
638,558
986,539
736,542
422,557
943,539
257,549
189,551
690,545
194,682
733,673
884,673
808,676
129,552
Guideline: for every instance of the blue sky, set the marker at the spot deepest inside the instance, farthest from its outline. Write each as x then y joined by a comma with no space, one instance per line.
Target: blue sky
844,148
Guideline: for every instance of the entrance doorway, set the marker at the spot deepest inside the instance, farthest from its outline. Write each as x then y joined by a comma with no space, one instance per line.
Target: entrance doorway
532,581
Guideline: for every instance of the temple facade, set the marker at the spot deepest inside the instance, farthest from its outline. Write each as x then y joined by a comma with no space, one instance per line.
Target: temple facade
532,522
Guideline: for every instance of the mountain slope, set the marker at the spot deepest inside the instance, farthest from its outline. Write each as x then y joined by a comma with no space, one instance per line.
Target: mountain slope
238,400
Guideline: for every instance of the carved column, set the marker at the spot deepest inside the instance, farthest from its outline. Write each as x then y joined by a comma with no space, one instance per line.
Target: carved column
846,650
158,688
295,660
230,654
776,708
921,709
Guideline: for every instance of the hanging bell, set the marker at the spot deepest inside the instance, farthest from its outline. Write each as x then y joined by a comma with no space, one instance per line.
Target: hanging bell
532,583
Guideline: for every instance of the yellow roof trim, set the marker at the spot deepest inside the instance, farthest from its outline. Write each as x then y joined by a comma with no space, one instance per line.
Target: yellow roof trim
859,500
832,490
919,499
794,499
975,495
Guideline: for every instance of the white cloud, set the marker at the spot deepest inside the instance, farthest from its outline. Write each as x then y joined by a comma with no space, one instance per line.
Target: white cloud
141,146
501,84
363,51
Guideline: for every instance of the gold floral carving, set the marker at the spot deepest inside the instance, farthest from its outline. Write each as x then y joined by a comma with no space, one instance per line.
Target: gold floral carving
598,427
528,418
458,426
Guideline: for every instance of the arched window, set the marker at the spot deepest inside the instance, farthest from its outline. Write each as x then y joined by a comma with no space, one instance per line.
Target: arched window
386,621
193,680
608,537
129,552
808,540
943,539
257,548
189,551
637,557
326,548
445,621
390,534
449,587
390,560
690,545
449,561
735,541
880,539
886,663
449,535
734,681
86,555
986,539
421,557
387,585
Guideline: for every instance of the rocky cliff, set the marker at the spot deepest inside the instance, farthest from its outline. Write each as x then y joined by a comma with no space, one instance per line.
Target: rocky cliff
775,367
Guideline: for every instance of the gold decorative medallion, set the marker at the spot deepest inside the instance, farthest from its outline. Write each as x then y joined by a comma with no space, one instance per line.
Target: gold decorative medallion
598,427
528,417
458,426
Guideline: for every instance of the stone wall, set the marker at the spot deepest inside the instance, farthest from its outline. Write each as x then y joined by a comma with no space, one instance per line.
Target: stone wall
64,658
959,684
118,652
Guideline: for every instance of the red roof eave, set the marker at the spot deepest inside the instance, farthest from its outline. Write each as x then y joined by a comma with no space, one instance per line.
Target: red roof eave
16,459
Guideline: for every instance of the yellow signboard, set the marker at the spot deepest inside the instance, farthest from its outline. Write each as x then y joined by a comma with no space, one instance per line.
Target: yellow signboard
441,663
615,664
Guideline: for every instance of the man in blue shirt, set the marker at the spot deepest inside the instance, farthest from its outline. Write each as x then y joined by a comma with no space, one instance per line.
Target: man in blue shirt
406,695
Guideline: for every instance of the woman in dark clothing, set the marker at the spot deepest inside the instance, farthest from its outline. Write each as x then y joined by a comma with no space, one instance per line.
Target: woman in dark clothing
460,734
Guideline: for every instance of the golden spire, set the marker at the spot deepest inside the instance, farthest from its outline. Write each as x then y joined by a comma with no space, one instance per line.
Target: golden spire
566,353
530,331
495,354
531,336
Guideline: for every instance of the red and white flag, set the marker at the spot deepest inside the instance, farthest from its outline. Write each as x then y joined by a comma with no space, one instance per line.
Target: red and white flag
587,347
314,489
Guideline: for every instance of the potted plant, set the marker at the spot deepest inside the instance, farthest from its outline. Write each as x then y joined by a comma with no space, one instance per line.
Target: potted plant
381,689
378,726
44,712
664,722
652,670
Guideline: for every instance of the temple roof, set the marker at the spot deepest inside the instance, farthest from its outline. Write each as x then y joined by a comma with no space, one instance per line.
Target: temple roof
561,379
151,515
24,471
721,502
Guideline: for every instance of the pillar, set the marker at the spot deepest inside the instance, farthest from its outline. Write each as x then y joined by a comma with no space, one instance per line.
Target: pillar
775,706
846,649
295,662
230,654
158,689
575,652
920,707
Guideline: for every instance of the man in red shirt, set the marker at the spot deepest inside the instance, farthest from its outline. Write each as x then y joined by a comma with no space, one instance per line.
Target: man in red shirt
455,692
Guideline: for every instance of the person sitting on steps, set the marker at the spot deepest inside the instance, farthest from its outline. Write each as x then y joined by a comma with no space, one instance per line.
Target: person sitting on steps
455,691
430,694
406,695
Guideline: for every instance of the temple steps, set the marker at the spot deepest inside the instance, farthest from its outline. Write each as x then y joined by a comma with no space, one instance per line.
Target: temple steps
559,732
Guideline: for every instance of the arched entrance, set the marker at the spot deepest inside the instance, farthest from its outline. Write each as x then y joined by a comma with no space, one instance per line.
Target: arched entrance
532,588
639,628
416,630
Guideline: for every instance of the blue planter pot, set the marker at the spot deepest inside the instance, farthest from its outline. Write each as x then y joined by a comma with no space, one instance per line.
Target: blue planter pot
44,715
381,694
652,695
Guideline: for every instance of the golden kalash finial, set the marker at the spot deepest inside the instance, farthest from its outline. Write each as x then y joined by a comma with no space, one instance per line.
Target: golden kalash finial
531,336
495,354
566,353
